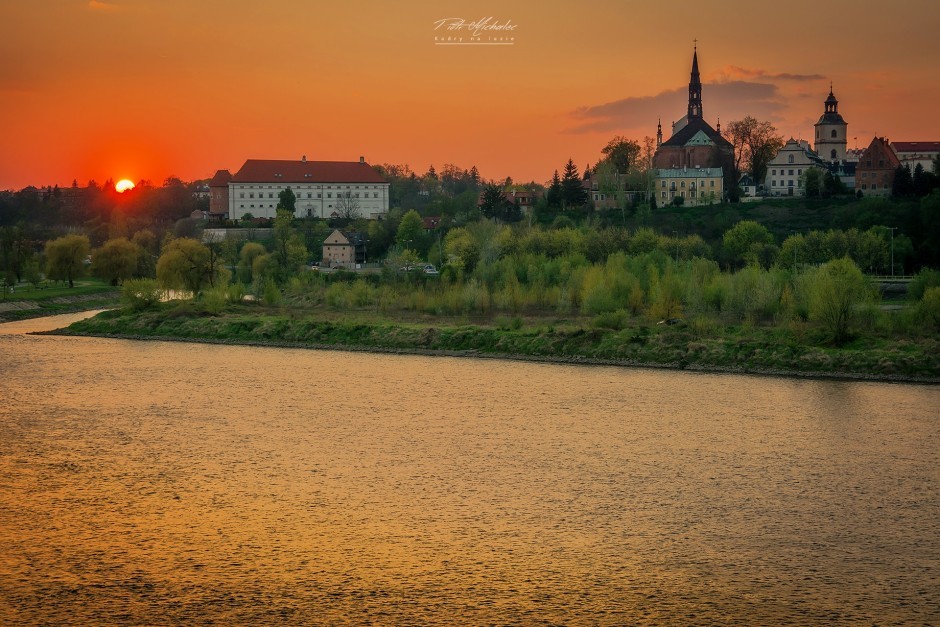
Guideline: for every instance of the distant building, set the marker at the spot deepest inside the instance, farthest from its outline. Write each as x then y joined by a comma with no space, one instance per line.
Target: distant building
874,175
694,143
695,186
344,249
431,223
747,186
785,171
831,132
323,189
913,153
218,193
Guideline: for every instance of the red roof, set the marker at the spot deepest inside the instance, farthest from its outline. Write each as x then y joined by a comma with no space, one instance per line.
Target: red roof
278,171
221,178
916,146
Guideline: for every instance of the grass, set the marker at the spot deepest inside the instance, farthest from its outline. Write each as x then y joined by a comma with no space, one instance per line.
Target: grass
739,348
55,298
48,290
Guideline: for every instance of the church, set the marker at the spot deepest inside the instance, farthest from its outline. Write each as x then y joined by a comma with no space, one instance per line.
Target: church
694,143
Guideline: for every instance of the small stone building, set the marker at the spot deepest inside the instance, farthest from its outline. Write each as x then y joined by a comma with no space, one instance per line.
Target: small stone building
344,249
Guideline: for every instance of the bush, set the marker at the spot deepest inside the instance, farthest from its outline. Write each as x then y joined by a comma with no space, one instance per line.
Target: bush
616,320
140,294
924,280
271,295
929,308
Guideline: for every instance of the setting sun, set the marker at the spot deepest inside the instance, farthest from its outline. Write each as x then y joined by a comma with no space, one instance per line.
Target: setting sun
123,185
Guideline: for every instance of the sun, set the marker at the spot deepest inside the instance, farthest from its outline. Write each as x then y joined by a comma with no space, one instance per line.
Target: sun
123,185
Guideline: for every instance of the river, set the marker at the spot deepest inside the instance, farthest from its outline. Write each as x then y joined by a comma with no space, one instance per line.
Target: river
163,482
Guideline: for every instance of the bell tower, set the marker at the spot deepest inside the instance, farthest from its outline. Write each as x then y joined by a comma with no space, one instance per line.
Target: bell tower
831,132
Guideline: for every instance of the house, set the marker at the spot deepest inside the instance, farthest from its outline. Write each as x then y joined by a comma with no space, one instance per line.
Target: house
218,193
748,187
694,186
431,223
785,171
322,189
874,175
344,249
913,154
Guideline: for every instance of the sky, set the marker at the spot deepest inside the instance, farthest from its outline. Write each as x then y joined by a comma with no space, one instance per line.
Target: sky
147,89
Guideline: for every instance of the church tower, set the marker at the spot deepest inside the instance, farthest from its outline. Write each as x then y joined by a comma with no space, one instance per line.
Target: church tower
831,132
695,89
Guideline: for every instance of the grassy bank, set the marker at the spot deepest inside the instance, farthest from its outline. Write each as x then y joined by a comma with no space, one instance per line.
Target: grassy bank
34,302
740,348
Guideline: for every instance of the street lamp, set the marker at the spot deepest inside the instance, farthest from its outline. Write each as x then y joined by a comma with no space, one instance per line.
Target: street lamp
892,229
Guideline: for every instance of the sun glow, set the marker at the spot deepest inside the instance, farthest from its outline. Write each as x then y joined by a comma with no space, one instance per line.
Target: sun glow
123,185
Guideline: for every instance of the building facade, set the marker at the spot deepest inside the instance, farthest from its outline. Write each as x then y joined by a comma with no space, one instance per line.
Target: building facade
694,143
785,171
913,154
323,189
693,186
344,249
874,175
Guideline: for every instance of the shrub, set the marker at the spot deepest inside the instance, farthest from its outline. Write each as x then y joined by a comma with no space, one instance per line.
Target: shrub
271,295
929,308
924,280
140,294
616,320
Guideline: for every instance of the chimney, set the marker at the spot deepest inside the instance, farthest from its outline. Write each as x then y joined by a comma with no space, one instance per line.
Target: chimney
362,159
303,159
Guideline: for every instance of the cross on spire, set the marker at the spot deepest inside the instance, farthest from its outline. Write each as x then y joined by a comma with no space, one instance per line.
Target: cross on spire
695,43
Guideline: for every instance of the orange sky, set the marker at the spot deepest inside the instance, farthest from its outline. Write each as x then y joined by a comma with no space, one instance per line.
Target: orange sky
145,89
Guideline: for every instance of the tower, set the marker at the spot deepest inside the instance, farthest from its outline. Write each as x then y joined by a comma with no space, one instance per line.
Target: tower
659,133
695,89
831,132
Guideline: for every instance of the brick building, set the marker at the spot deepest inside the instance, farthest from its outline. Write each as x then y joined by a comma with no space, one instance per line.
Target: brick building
874,175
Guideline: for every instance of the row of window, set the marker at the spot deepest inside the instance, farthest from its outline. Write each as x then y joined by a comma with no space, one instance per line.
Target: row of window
799,172
270,206
789,182
692,194
310,195
672,184
312,186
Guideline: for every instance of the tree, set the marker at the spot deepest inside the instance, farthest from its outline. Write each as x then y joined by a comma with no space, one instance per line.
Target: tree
746,242
903,185
249,252
116,260
65,257
555,196
812,182
621,153
347,206
755,144
289,252
186,264
410,233
572,192
492,201
286,200
835,291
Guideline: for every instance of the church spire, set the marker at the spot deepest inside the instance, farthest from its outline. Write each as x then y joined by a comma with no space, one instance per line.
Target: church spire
695,88
659,132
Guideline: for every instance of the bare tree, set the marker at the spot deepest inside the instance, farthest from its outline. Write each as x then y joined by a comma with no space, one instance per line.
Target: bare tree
755,144
347,206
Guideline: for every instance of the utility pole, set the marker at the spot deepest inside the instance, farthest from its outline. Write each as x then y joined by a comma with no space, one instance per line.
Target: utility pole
892,229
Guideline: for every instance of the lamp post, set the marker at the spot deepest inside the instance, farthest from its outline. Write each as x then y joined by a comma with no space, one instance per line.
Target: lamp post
892,229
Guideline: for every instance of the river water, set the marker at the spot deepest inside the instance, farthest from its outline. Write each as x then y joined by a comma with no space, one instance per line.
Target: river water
157,482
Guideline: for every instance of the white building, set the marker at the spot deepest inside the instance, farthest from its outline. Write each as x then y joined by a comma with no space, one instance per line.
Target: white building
785,171
913,154
323,189
695,186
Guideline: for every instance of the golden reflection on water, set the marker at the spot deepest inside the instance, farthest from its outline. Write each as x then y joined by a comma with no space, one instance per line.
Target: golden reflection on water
151,482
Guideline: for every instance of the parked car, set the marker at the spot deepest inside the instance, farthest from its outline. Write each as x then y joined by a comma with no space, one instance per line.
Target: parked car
430,269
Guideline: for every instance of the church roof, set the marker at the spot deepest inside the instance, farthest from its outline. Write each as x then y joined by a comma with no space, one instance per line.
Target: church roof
691,131
831,117
916,146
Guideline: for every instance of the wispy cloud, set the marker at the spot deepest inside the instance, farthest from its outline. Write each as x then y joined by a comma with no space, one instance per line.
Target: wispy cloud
97,5
731,100
731,73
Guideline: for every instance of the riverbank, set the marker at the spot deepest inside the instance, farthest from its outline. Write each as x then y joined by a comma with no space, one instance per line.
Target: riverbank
15,310
737,349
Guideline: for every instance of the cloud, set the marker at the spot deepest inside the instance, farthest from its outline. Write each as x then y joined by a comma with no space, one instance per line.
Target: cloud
731,73
731,100
97,5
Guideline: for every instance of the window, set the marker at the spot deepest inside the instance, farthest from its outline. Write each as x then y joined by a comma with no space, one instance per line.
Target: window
712,183
832,154
270,194
683,194
799,172
309,195
834,133
241,194
329,195
864,185
682,185
773,172
251,195
874,186
881,163
791,172
790,183
595,197
773,183
375,194
790,159
319,195
664,194
664,184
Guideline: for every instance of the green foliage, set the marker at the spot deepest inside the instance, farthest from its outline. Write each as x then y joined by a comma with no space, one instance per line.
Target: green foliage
929,308
286,201
141,294
116,260
271,294
923,281
65,258
748,242
250,251
835,291
187,265
410,233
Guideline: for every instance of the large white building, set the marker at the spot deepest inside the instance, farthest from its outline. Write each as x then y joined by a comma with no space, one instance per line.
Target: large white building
785,171
323,189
